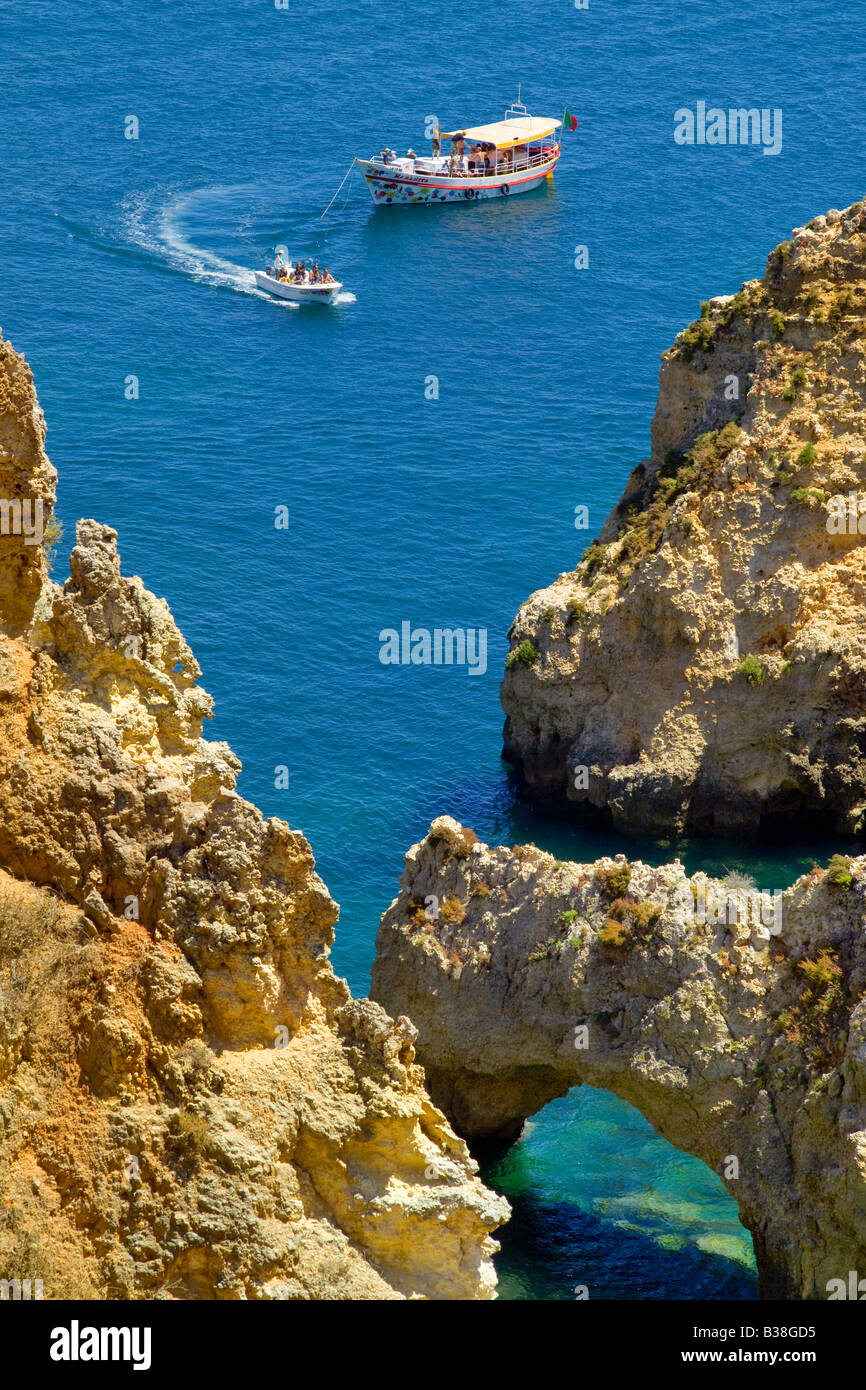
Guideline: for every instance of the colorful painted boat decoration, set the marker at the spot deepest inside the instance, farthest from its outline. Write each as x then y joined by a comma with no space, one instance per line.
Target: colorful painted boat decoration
498,160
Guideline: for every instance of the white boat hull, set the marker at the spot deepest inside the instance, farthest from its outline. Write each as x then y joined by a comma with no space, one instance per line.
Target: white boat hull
299,294
408,185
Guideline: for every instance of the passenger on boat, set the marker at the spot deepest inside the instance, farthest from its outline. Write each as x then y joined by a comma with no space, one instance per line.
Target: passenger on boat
437,141
490,159
385,156
410,154
314,273
282,273
326,277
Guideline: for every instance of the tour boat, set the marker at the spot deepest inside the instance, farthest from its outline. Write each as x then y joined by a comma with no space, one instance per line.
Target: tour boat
506,157
304,291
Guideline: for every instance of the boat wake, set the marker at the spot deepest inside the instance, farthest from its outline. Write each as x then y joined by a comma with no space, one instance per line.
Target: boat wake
163,229
168,228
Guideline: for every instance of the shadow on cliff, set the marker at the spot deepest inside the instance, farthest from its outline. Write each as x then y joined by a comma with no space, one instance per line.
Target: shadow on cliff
775,856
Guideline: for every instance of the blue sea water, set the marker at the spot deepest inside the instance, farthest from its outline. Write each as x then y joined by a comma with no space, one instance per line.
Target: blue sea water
132,258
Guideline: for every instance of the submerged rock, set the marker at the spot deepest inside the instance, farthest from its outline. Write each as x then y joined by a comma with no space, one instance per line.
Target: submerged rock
191,1103
704,666
734,1021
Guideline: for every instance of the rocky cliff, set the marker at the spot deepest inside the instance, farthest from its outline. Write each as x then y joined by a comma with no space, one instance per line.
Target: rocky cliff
703,666
191,1103
736,1023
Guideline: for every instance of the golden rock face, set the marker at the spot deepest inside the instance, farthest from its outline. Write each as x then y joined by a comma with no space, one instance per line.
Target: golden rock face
191,1103
702,668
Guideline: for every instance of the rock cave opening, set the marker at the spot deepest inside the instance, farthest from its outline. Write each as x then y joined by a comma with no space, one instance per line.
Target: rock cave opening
603,1207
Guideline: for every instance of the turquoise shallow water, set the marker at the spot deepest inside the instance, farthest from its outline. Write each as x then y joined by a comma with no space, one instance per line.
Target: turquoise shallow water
602,1209
131,258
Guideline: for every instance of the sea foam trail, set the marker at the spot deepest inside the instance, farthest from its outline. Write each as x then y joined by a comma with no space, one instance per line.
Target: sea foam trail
160,231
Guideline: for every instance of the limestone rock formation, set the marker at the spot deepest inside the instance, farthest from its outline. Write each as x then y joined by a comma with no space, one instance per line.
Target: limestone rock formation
735,1023
703,666
191,1103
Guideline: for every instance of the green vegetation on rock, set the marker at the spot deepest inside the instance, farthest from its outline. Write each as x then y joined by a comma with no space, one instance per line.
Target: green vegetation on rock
524,655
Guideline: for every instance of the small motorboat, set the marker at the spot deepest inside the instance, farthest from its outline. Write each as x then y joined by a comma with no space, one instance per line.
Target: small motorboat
286,281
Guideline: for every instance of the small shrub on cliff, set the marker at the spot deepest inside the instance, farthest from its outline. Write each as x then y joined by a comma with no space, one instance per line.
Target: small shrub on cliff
839,872
458,843
52,538
648,516
28,916
615,881
644,915
452,911
781,466
543,951
778,323
807,455
481,891
699,335
568,918
795,385
739,303
576,611
417,916
809,496
196,1061
754,670
28,1253
592,558
189,1133
615,934
736,882
824,975
462,845
709,452
816,1020
524,655
638,918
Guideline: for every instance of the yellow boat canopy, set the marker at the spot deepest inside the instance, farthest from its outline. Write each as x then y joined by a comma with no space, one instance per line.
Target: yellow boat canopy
505,134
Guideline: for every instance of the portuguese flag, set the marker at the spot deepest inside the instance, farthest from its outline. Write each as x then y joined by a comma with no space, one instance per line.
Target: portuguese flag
569,120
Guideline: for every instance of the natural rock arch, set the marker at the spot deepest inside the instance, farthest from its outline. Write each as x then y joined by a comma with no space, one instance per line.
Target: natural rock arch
735,1040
